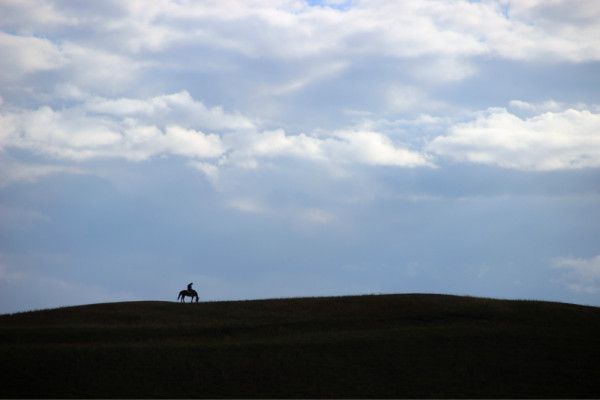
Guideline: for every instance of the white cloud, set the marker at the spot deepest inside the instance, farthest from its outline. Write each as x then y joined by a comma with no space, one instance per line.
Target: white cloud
113,50
124,128
540,107
527,30
26,54
568,139
62,134
97,100
138,129
174,124
405,98
291,213
190,143
317,216
289,29
537,108
69,91
307,77
442,70
247,205
580,274
87,65
338,147
560,29
27,172
29,15
211,171
100,70
170,108
277,143
372,148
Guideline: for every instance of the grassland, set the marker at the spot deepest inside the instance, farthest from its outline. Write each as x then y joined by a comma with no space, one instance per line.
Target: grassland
413,345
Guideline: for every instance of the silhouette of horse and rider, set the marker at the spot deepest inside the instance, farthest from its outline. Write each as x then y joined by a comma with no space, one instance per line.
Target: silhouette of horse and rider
189,292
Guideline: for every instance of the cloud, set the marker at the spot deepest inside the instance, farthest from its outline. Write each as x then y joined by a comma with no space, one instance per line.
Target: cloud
526,30
247,205
317,119
338,147
560,29
273,57
405,98
117,81
211,171
108,46
175,124
540,107
62,134
124,128
89,66
278,144
100,70
28,172
288,29
307,77
537,108
23,55
567,139
443,70
190,143
373,148
580,274
290,213
177,107
28,15
317,216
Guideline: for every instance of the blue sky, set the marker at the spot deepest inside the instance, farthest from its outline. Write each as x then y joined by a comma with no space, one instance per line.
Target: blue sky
290,148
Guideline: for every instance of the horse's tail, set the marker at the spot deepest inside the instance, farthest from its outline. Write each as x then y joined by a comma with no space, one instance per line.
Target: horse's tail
179,296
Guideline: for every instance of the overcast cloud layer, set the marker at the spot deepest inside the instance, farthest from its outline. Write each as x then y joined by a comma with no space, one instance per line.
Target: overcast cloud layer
289,148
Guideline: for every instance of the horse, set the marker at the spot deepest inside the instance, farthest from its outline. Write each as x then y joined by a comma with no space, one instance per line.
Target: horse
189,293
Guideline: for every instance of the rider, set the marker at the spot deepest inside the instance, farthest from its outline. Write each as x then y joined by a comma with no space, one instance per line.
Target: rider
190,286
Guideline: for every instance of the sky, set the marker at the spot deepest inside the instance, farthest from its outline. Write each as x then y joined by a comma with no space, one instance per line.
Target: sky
283,148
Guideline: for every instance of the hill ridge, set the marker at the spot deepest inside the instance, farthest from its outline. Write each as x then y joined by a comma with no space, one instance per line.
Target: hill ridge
343,346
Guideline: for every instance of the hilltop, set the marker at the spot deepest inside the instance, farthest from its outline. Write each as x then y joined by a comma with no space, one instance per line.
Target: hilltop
412,345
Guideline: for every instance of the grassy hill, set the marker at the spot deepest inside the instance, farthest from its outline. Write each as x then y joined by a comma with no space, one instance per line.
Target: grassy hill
414,345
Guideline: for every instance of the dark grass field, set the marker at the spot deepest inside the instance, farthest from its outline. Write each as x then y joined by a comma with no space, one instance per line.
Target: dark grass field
414,345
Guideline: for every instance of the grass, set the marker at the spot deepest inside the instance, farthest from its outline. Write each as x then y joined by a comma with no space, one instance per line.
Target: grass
413,345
